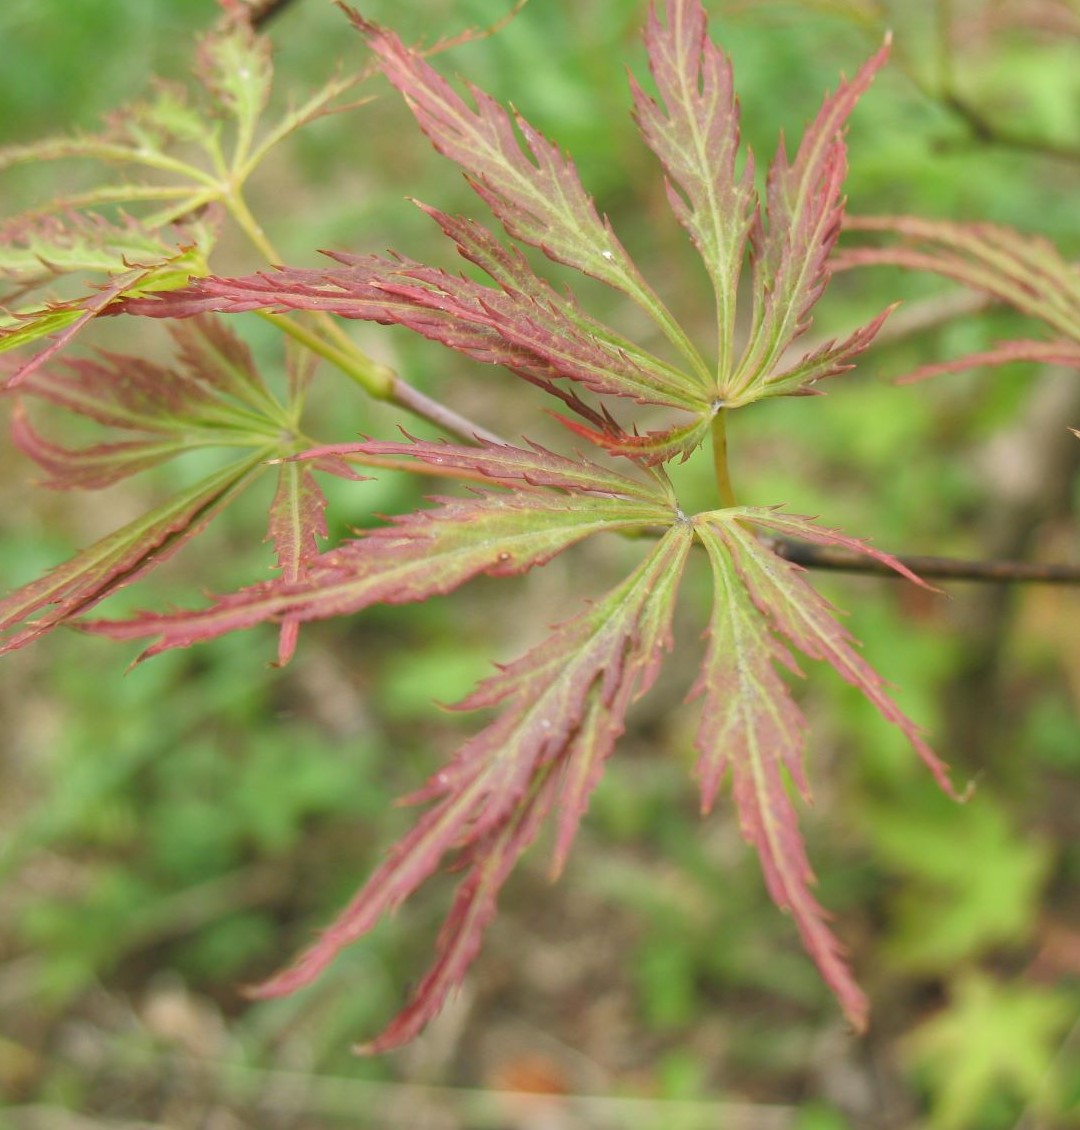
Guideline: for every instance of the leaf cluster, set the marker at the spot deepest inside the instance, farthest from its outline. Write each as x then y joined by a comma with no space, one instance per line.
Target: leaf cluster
559,708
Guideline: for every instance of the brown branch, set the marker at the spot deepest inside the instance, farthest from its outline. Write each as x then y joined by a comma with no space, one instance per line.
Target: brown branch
413,400
841,560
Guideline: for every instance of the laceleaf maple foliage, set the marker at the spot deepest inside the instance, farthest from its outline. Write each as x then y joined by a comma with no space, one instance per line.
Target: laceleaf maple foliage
561,707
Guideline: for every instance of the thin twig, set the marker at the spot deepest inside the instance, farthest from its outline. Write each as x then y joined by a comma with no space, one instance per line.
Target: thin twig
407,396
836,559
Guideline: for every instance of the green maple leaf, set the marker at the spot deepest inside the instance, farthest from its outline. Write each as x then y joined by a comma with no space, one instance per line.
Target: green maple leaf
947,911
993,1039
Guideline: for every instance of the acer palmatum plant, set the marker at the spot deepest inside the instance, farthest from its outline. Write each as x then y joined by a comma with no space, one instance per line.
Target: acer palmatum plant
561,707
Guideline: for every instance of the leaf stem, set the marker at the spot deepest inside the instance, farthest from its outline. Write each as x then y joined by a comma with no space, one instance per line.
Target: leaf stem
375,379
234,201
720,459
331,342
378,380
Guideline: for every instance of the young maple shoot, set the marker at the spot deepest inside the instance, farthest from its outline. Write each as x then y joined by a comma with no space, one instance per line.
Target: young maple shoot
561,707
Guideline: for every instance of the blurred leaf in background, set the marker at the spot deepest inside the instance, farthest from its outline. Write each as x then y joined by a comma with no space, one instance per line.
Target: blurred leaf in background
996,1042
970,882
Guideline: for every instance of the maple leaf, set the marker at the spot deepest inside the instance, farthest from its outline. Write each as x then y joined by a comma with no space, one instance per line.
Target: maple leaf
414,557
751,727
994,1039
507,465
531,332
804,208
120,558
1022,270
297,521
696,136
523,324
537,196
214,397
36,251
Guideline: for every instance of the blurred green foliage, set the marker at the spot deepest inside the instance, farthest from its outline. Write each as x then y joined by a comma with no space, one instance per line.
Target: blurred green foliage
203,814
994,1040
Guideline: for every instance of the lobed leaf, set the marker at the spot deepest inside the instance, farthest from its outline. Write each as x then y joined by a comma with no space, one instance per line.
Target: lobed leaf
88,468
532,332
1023,270
563,708
135,137
545,336
828,360
319,104
306,289
491,862
213,357
233,66
297,521
804,208
173,409
751,728
191,170
653,447
128,392
509,466
1004,353
38,250
779,587
510,270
